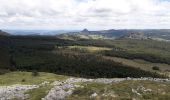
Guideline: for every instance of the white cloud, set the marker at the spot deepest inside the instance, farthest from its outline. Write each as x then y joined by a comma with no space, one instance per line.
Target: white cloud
77,14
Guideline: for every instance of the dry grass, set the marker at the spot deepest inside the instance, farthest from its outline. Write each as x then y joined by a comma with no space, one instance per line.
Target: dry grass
91,49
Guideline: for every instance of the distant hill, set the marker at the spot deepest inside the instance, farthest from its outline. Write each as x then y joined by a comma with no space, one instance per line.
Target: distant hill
155,34
2,33
85,31
37,32
151,33
135,35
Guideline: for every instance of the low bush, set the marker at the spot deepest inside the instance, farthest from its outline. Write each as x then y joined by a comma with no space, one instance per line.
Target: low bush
155,68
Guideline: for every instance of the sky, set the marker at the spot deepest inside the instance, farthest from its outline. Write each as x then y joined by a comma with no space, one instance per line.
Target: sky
80,14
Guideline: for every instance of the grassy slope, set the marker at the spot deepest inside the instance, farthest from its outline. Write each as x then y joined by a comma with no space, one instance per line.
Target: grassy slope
145,46
35,94
116,91
144,65
123,91
17,77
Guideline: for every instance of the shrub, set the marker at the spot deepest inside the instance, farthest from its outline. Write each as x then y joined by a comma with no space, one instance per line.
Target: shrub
155,68
23,80
35,73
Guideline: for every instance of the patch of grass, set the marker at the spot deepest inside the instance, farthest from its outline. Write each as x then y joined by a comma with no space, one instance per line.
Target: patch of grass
91,49
18,77
38,93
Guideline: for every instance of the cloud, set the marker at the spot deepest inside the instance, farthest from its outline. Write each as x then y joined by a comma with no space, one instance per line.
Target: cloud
77,14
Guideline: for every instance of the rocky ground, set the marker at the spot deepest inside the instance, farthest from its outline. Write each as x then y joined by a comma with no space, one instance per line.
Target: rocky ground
15,91
63,89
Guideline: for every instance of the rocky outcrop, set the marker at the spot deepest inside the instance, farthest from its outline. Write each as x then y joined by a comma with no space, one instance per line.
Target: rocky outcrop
63,89
59,91
15,91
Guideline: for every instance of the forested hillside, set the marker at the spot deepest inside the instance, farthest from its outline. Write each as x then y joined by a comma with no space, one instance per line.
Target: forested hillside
50,54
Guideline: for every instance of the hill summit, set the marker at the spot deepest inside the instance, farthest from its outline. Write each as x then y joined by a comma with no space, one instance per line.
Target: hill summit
85,31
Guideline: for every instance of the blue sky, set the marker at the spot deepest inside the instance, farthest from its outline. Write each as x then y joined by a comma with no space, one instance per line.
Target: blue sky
79,14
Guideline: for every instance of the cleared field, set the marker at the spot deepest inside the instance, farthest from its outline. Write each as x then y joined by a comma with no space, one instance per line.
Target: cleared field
144,46
91,49
144,65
